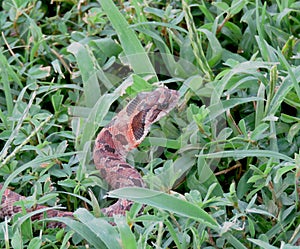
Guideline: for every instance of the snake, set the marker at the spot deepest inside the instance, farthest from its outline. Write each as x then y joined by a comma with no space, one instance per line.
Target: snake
123,133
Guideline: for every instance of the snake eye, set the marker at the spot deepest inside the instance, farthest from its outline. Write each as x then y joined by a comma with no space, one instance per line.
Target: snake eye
163,106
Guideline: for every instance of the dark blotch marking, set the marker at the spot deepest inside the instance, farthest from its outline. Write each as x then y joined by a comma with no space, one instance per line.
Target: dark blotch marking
117,185
125,165
66,214
163,106
154,115
137,182
100,152
138,124
105,136
109,149
168,96
122,139
106,142
103,173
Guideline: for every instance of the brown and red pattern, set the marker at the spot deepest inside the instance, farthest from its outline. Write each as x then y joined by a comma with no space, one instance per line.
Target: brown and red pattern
124,133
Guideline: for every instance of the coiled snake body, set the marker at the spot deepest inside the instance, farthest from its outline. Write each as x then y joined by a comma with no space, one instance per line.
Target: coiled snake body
124,133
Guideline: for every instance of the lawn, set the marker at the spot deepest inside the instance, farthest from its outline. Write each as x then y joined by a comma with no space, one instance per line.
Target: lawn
222,167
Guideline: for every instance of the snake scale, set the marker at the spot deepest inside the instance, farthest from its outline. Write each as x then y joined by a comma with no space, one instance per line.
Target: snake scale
124,133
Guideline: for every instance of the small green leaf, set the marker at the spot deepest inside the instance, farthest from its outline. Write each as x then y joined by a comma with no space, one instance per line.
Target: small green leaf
95,204
35,243
293,131
236,6
16,240
251,227
39,72
280,172
289,119
57,100
258,133
221,5
68,183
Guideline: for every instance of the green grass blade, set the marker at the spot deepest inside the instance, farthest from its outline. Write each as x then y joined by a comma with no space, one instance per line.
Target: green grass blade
99,228
247,153
259,114
22,219
16,127
291,73
84,231
196,43
262,244
207,177
132,47
216,48
95,117
167,202
6,83
219,108
88,72
259,24
173,234
282,91
233,241
272,85
127,237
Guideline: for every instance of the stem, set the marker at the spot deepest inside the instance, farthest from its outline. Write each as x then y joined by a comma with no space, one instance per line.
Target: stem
18,148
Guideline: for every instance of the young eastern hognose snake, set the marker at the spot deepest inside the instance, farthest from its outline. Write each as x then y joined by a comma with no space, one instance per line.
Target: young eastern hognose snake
124,133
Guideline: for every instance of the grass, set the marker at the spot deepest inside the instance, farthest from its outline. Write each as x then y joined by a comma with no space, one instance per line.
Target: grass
223,168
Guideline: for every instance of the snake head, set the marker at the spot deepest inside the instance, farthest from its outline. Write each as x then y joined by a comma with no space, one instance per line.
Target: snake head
150,107
159,103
